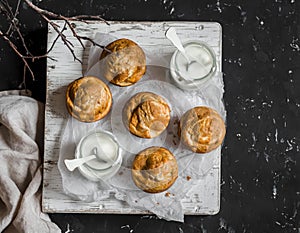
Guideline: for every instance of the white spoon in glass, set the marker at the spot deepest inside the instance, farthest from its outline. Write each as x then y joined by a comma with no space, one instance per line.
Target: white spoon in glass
192,62
173,37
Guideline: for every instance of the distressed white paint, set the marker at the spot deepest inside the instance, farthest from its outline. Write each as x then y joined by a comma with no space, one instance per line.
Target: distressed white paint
150,35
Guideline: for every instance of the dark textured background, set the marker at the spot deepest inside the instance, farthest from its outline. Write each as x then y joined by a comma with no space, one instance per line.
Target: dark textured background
261,64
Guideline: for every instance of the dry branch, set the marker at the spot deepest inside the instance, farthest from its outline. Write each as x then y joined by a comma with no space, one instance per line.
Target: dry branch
15,49
48,16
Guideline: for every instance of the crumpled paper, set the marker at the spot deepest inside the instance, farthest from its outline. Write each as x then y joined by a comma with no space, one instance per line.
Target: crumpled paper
121,185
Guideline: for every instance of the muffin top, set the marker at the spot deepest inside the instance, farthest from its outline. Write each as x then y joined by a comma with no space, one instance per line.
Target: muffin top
154,169
88,99
202,129
146,115
124,62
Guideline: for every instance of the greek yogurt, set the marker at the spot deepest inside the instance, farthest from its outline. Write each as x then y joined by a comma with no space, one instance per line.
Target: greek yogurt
108,155
193,72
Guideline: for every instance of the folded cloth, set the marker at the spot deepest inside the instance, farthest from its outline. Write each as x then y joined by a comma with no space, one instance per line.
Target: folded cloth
21,134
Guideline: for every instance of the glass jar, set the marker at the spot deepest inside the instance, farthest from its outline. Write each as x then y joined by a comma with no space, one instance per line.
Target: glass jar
108,155
192,70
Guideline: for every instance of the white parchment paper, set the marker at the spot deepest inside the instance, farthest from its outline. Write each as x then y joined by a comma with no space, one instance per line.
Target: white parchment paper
121,186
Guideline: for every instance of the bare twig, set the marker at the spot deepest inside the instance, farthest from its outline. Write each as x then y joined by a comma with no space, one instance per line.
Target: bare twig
48,16
55,40
58,16
15,49
63,38
13,23
14,15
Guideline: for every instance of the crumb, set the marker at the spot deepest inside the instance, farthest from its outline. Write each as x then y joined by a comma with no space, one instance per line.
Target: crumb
157,203
176,122
174,142
136,201
169,194
188,178
120,173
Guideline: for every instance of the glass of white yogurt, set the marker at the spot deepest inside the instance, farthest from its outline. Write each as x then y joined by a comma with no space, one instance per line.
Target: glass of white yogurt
192,70
108,160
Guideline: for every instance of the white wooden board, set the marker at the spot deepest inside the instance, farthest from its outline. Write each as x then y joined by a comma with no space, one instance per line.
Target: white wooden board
63,70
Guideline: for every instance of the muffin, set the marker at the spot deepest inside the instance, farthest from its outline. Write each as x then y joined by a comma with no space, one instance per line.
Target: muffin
88,99
202,129
124,63
146,115
154,169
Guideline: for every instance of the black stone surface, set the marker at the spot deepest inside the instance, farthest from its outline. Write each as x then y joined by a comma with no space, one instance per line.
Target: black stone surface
261,64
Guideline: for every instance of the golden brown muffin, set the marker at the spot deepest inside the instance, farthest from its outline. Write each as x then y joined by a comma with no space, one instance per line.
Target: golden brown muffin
154,169
125,64
88,99
146,115
202,129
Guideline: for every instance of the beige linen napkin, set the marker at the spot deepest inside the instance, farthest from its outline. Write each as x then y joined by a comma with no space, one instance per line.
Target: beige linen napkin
21,134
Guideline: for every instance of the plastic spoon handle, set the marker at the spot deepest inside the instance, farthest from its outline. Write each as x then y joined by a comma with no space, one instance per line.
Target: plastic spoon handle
173,37
71,164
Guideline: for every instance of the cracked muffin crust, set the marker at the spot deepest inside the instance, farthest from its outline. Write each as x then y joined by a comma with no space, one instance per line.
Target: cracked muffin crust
88,99
146,115
125,64
202,129
154,169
